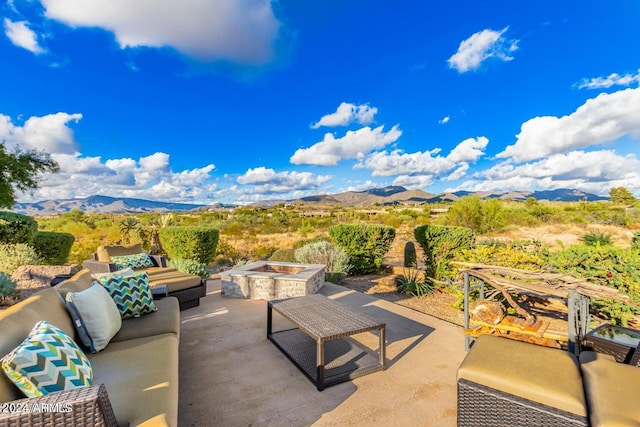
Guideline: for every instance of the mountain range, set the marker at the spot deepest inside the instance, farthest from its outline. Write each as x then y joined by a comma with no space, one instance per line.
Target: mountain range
381,196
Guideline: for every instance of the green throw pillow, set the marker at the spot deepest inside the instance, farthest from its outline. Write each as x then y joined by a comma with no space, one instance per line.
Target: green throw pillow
95,316
47,360
131,294
136,261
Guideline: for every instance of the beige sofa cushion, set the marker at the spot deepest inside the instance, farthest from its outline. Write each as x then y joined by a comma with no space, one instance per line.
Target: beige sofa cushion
141,377
175,280
612,390
77,283
540,374
17,321
165,320
106,252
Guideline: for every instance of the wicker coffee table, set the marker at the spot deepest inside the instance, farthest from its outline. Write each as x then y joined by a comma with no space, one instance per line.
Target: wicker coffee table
320,344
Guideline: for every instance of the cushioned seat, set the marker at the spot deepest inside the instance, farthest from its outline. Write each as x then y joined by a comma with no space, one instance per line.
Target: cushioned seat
539,378
612,390
187,288
146,395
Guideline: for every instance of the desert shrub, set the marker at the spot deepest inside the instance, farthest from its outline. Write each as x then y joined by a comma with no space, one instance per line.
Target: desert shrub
481,216
635,240
7,289
226,250
410,258
595,238
606,265
411,282
193,243
514,254
334,257
263,252
283,255
16,228
53,248
190,267
365,244
15,255
304,242
440,244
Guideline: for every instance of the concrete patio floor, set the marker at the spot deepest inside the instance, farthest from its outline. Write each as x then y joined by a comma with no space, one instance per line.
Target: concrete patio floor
231,375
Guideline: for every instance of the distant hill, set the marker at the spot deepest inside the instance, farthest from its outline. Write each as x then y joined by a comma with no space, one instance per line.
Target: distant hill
397,194
101,204
391,195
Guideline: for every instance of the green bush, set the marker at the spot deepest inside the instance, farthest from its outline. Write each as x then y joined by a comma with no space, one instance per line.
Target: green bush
334,257
15,255
365,244
594,239
17,228
190,267
53,248
481,216
283,255
7,288
440,244
193,243
635,240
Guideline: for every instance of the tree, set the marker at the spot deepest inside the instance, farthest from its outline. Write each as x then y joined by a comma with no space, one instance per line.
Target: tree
19,171
622,196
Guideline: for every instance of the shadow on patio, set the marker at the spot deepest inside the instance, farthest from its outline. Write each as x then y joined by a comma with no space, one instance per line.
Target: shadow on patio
231,375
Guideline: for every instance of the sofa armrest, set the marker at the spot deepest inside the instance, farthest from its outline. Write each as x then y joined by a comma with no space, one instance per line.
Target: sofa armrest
82,406
158,260
99,266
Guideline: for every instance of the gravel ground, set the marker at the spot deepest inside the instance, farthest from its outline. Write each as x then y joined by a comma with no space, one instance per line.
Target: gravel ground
438,303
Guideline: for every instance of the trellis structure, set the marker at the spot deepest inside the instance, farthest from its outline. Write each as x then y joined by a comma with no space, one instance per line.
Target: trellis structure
576,293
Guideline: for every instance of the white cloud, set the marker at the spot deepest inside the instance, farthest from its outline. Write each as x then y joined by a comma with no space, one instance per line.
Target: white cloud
613,79
444,120
428,163
22,36
355,144
599,120
346,114
50,133
596,172
481,46
267,181
149,177
240,31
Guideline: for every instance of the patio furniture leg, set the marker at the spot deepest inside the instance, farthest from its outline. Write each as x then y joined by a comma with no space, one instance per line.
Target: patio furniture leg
320,364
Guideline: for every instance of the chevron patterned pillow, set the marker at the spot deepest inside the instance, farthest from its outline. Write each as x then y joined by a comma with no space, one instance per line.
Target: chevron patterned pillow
47,360
135,261
131,294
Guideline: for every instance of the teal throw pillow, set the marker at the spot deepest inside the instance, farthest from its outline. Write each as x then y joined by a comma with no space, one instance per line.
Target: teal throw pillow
131,294
95,316
136,261
48,360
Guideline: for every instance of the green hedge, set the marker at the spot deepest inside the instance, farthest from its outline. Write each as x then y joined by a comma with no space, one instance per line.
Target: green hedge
440,244
17,228
365,244
193,243
53,248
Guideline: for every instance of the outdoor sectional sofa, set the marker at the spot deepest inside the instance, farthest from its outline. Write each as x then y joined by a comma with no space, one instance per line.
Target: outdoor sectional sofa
504,382
135,377
187,288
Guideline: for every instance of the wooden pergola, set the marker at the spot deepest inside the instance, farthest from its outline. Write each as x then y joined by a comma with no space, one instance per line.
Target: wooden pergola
576,293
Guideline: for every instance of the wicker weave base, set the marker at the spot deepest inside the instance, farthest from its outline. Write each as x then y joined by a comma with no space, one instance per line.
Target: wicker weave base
188,298
487,407
344,359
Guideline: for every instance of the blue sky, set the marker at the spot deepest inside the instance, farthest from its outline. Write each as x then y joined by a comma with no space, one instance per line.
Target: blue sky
209,101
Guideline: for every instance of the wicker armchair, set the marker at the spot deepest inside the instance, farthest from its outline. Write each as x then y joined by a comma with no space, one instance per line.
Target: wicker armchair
86,406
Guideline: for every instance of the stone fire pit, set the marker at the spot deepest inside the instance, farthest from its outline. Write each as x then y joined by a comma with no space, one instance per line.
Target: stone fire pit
269,280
